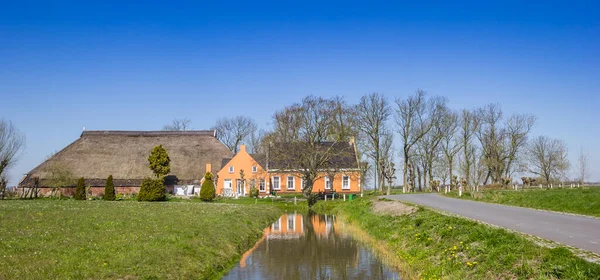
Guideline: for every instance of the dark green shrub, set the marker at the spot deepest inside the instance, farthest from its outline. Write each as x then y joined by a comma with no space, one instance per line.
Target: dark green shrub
80,190
253,192
207,191
152,190
159,161
109,189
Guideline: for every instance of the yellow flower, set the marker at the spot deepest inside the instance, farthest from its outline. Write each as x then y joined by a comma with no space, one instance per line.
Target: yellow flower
454,247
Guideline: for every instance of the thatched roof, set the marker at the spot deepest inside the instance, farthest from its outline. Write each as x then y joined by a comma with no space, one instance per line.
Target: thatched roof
124,154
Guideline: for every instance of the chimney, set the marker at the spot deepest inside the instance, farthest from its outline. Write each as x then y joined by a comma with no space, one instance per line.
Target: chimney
209,167
243,148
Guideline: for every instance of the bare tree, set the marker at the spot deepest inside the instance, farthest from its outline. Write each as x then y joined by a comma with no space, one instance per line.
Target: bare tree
12,143
547,158
58,176
468,126
501,142
413,120
582,162
517,130
386,159
234,131
256,144
372,114
491,136
451,144
344,118
178,125
306,148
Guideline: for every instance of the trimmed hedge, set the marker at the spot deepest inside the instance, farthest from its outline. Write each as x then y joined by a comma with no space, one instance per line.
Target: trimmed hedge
207,191
152,190
80,190
109,189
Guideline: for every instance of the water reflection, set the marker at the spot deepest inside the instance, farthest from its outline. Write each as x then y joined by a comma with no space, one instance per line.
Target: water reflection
309,246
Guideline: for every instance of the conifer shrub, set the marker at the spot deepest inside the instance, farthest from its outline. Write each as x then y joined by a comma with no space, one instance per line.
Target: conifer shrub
152,190
80,190
109,189
253,192
207,191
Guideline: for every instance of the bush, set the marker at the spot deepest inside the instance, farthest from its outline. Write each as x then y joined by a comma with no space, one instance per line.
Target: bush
152,190
109,189
207,191
253,192
80,190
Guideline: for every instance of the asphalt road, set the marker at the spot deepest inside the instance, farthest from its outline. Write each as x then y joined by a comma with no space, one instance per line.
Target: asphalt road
576,231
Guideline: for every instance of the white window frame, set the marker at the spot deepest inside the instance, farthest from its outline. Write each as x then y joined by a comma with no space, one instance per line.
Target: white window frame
231,169
345,179
262,185
301,183
327,183
293,186
276,187
291,218
254,169
278,224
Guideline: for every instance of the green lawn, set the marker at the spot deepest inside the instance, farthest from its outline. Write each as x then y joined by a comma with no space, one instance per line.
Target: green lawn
61,239
285,204
432,246
579,201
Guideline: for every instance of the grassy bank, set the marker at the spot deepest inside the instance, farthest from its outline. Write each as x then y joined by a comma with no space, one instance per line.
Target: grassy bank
284,204
578,201
60,239
434,246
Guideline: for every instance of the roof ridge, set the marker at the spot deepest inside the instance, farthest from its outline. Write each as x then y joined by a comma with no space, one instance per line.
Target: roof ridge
146,132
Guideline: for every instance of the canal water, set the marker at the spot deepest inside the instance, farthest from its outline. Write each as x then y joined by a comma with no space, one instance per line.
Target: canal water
310,246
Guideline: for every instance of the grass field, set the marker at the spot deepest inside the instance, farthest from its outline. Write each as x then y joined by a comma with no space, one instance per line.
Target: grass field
578,201
285,204
433,246
61,239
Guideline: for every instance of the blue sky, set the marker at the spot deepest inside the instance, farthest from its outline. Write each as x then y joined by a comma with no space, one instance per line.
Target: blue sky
137,65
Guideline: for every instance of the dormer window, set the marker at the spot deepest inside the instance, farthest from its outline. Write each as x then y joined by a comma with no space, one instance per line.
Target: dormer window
254,169
231,169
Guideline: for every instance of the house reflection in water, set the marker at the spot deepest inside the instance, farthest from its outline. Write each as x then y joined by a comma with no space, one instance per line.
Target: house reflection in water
309,247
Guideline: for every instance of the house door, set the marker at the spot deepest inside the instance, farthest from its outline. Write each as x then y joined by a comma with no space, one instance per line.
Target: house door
227,187
240,188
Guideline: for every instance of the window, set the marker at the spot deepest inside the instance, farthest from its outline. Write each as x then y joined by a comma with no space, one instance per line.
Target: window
290,183
345,183
276,225
327,183
231,169
254,169
302,183
261,185
291,222
276,183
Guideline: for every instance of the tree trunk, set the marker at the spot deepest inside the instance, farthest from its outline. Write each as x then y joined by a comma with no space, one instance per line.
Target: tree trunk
418,177
450,159
404,179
